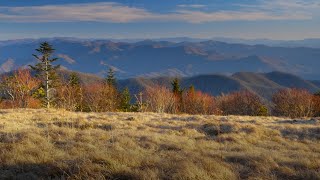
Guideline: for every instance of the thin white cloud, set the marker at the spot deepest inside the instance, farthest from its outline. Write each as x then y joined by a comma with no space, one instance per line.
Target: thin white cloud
291,4
119,13
67,58
99,12
195,6
283,6
202,17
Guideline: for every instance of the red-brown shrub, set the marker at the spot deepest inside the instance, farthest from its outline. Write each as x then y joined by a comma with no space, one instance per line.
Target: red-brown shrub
100,97
18,88
241,103
196,102
34,103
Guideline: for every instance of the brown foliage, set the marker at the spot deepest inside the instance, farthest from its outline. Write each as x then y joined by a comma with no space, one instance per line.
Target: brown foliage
100,97
19,87
196,102
293,103
241,103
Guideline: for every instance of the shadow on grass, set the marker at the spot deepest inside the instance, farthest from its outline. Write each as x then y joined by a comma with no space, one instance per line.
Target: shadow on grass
49,171
31,171
311,121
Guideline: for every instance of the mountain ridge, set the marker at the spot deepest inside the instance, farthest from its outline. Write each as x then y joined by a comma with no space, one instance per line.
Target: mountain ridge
158,58
262,84
307,42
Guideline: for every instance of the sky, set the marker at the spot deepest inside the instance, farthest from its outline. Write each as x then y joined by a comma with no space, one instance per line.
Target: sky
130,19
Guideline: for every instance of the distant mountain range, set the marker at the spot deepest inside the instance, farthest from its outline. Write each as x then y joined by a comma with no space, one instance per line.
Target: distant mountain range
165,57
311,43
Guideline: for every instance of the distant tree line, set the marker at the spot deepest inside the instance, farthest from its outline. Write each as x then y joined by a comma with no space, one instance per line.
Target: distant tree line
47,89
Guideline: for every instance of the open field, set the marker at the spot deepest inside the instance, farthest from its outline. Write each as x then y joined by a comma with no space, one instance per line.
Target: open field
59,144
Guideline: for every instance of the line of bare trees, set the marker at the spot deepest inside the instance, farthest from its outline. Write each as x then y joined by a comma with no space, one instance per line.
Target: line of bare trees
289,102
23,90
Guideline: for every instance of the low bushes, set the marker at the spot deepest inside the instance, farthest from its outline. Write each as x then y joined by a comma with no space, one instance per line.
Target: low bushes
22,90
161,100
293,103
196,102
242,103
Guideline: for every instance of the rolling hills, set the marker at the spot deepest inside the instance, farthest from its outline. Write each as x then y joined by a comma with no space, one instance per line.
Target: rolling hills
263,84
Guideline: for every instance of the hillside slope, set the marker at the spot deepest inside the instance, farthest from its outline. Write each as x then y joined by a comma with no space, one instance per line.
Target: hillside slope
263,84
40,144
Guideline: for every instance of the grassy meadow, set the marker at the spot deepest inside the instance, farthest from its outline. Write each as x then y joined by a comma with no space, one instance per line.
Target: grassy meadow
57,144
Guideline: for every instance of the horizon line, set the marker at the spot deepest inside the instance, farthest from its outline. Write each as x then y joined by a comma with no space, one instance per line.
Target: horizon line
156,38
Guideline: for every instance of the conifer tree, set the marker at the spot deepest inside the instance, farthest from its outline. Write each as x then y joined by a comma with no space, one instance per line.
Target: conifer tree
74,79
125,100
176,87
177,91
110,79
45,70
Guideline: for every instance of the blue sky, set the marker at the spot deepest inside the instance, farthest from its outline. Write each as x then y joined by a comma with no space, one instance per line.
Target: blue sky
272,19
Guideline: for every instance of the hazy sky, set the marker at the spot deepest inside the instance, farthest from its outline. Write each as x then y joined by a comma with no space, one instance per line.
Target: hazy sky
273,19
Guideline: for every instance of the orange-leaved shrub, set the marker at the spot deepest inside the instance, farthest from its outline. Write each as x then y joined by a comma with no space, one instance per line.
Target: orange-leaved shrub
241,103
293,103
197,102
17,90
100,97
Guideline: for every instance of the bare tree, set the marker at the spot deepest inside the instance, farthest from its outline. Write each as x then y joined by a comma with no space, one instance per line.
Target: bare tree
161,100
19,87
293,103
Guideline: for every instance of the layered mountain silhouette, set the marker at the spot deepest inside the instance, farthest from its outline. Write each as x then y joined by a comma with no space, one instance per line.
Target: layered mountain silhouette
164,58
263,84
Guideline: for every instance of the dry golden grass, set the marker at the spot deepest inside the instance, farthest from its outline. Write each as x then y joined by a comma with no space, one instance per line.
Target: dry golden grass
40,144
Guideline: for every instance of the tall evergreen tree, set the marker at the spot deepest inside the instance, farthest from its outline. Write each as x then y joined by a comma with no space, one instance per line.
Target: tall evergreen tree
45,70
176,89
125,100
111,79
